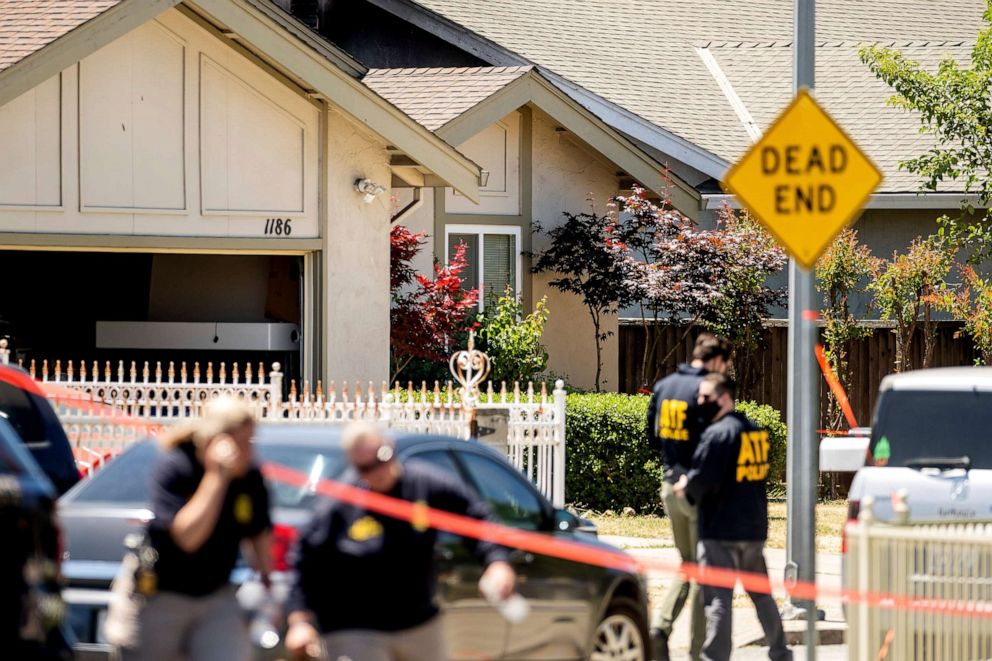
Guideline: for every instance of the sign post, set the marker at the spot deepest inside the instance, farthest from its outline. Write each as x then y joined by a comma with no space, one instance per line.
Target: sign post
805,180
802,398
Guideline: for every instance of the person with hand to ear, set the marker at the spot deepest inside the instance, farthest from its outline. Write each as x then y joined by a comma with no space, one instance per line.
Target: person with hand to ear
207,498
365,582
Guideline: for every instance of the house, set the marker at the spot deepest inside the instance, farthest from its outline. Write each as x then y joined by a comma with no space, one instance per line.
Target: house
179,179
686,84
481,118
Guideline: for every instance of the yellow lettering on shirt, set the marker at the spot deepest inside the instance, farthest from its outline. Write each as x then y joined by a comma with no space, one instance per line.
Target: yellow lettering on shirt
752,460
671,420
364,529
242,509
419,519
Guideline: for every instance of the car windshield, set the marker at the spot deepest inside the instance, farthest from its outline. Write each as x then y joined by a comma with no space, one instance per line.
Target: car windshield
912,425
124,481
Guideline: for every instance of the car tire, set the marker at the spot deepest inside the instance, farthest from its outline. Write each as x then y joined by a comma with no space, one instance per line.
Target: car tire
621,633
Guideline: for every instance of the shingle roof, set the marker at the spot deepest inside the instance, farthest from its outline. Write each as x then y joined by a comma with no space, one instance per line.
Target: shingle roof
27,26
858,102
433,97
643,55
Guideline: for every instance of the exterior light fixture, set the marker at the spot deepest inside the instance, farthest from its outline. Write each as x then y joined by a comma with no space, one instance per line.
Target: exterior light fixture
484,178
369,188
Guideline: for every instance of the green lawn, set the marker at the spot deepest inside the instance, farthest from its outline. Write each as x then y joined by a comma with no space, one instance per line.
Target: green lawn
830,517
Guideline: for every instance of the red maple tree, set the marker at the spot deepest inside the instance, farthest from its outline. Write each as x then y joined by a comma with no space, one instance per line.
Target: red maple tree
427,313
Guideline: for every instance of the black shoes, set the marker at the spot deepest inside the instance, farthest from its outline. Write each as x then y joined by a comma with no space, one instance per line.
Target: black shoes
659,644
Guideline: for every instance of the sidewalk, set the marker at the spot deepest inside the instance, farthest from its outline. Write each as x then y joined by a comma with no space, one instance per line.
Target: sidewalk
747,630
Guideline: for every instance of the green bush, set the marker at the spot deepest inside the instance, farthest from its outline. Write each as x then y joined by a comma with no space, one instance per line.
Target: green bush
512,338
609,464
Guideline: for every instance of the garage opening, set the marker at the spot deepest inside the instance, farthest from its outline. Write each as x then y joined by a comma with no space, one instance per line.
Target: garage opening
140,307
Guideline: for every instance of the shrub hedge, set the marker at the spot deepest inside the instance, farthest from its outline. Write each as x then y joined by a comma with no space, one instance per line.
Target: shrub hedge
609,465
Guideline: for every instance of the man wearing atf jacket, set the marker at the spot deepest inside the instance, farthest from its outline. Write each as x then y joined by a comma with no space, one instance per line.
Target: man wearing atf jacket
727,482
365,581
674,428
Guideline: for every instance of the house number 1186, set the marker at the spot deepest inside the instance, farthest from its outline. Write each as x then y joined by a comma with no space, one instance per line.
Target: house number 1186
278,226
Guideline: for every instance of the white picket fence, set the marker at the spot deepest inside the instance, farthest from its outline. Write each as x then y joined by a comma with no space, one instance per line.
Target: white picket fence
104,410
931,566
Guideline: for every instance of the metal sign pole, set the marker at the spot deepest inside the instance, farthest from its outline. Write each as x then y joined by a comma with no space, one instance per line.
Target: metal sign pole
803,394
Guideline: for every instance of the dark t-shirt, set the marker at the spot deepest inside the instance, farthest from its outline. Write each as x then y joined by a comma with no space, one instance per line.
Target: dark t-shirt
362,570
727,481
244,514
674,423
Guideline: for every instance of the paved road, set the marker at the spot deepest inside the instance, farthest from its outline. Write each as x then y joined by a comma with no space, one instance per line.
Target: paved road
747,630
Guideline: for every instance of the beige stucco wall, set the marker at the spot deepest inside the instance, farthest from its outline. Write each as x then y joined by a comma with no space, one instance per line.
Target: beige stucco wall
419,221
355,257
568,176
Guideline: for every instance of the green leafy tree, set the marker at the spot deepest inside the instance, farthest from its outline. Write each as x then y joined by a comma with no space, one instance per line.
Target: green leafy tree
583,260
844,267
954,108
908,290
513,339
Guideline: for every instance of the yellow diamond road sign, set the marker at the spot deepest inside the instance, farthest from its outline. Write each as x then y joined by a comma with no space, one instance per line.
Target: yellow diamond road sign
805,180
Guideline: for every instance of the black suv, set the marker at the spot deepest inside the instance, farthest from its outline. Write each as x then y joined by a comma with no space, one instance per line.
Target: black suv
31,608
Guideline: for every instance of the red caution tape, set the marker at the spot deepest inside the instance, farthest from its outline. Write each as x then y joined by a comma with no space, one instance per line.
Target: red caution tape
577,552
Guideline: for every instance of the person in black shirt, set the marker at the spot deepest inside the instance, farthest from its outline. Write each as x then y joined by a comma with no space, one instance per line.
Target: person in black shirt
727,482
674,427
207,497
365,581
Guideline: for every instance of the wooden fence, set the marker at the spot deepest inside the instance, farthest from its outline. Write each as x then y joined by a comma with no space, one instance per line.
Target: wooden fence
871,359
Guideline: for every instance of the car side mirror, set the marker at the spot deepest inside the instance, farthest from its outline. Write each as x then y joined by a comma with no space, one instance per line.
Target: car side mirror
565,521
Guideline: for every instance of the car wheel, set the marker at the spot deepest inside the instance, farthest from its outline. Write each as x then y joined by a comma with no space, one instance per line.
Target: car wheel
622,634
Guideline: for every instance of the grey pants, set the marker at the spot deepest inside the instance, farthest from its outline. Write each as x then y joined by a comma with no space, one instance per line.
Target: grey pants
742,557
685,530
176,626
425,642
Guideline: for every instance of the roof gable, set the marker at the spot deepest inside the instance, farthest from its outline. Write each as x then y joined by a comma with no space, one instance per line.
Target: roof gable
458,103
434,97
36,51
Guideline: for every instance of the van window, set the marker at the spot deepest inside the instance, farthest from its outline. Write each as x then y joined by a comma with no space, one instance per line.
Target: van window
911,424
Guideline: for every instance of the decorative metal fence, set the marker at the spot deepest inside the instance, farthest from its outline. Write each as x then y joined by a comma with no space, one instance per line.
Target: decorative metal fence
104,410
944,574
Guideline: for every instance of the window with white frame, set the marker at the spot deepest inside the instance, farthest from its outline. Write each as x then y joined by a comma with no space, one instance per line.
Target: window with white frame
493,255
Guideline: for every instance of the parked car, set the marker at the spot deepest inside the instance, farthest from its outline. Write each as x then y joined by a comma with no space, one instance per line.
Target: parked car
31,607
25,407
929,441
577,610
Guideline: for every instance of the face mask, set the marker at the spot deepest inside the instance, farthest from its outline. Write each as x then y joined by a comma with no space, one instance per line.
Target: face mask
708,411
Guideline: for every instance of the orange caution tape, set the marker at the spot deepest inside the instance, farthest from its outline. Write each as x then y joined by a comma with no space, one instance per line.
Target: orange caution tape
835,387
569,550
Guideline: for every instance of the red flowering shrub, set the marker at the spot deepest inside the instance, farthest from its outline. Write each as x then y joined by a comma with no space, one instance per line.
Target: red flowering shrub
427,313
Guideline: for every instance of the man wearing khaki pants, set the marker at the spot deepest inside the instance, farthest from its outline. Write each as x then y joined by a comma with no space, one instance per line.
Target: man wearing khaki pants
675,423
